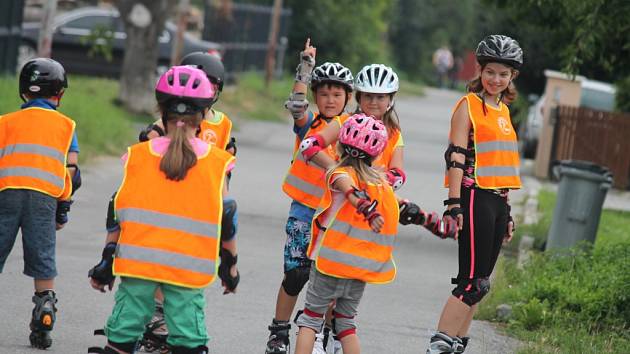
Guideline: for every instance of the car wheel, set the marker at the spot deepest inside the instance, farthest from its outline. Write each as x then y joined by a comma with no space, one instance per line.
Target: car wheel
26,52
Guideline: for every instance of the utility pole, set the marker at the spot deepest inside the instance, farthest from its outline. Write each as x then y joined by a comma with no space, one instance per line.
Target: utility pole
44,43
178,43
273,38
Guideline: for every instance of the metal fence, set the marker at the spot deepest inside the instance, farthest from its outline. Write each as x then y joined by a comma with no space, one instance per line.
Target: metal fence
597,136
243,31
10,31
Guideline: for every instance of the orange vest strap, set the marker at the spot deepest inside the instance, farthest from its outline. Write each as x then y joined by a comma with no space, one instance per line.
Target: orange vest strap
356,261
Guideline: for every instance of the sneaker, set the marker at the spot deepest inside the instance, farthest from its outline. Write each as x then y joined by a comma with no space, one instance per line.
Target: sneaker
318,348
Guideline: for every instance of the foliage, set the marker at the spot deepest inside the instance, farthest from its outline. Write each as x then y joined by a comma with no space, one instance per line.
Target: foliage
589,37
349,32
100,40
419,27
622,97
89,102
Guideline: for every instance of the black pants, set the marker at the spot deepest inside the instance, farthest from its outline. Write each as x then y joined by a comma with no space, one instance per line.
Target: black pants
485,226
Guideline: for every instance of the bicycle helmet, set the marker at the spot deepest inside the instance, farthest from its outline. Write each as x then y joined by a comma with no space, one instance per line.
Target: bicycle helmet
376,78
501,49
363,136
42,77
210,64
184,90
332,73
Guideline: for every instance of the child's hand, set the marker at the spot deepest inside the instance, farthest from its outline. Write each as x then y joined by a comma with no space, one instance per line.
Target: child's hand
101,287
377,223
309,49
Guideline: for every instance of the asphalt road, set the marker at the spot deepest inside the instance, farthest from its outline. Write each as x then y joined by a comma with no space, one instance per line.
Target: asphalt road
393,318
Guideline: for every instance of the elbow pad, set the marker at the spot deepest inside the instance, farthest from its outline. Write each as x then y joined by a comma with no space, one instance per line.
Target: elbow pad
396,178
311,145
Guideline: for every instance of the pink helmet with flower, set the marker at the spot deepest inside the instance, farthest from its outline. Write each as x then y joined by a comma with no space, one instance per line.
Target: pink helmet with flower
363,135
184,90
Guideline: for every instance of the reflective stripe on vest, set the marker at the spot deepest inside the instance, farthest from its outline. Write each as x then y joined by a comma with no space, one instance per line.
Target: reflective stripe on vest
33,146
170,237
304,181
167,221
347,247
171,259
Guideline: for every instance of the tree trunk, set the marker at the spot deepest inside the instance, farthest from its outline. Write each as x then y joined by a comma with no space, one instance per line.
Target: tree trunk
144,22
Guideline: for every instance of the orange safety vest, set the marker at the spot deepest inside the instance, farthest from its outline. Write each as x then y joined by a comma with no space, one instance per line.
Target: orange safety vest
385,158
305,182
34,144
349,248
216,132
497,162
170,237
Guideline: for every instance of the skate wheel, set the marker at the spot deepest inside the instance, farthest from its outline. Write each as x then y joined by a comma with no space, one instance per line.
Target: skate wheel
40,340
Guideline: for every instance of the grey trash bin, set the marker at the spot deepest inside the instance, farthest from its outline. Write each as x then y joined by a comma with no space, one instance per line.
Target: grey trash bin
581,194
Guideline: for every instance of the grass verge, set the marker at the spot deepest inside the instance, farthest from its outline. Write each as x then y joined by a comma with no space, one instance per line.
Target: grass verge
571,304
102,126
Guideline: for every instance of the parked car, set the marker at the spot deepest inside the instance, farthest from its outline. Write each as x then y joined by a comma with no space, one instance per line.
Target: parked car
71,49
531,129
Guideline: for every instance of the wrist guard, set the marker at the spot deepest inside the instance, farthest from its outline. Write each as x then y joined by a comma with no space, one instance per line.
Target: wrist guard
61,214
297,104
410,213
102,272
311,145
227,261
305,68
396,178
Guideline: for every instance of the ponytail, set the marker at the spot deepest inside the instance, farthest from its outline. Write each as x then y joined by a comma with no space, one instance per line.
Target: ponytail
180,156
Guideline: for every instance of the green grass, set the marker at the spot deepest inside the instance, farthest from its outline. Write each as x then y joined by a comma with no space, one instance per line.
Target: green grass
103,128
408,88
250,99
571,304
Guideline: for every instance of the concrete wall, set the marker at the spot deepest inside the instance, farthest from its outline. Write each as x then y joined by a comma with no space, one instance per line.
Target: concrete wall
559,90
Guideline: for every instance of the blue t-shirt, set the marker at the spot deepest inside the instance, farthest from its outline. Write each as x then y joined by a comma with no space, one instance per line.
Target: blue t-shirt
44,103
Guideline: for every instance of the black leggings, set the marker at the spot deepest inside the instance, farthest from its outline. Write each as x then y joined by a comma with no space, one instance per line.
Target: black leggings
480,240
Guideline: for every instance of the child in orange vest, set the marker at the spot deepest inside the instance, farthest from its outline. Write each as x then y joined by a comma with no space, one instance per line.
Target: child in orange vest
482,166
358,209
375,85
331,85
167,240
215,129
38,174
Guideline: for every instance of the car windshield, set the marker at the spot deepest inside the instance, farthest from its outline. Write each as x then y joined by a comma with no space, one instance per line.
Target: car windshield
89,22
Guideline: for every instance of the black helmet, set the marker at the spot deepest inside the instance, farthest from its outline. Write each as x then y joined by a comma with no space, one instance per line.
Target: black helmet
42,77
210,63
501,49
333,73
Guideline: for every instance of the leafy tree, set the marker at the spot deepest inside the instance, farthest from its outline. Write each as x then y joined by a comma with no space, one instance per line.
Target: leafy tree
589,37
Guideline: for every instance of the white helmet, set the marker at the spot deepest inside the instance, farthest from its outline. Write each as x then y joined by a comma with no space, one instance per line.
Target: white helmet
376,78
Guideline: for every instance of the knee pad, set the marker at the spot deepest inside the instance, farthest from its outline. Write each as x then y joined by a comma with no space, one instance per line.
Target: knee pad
294,280
344,325
471,291
229,220
310,319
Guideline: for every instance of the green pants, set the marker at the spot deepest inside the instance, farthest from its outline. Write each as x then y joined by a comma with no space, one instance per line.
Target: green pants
135,304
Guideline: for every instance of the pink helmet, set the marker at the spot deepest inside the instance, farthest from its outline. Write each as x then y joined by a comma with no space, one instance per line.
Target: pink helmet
362,134
184,89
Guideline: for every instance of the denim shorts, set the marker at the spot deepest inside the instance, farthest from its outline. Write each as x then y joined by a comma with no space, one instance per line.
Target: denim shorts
34,213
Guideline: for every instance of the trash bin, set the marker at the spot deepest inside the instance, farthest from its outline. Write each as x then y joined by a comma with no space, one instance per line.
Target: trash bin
581,193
